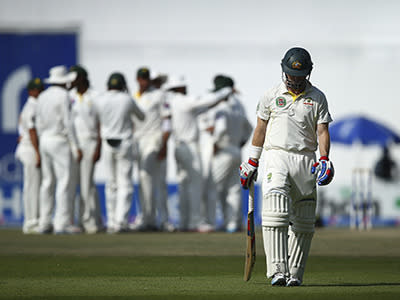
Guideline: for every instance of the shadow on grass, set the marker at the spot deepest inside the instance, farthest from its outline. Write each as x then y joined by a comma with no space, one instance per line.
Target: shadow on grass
342,284
353,284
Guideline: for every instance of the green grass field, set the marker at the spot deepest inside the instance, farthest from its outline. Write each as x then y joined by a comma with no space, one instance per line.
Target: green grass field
343,264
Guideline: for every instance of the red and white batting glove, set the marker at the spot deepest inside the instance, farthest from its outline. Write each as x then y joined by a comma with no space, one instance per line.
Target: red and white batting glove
248,173
324,170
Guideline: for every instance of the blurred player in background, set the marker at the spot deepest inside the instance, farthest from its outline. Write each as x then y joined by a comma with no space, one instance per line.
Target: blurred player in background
184,110
231,131
151,138
115,109
158,80
55,135
293,119
28,153
87,129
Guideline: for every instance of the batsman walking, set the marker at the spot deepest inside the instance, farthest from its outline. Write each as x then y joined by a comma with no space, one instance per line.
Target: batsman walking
292,121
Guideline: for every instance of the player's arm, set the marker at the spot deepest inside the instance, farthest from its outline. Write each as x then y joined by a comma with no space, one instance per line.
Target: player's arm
135,110
166,132
324,139
210,100
69,123
258,139
35,143
97,151
324,167
248,169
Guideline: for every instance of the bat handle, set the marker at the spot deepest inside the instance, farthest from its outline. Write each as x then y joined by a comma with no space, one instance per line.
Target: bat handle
251,197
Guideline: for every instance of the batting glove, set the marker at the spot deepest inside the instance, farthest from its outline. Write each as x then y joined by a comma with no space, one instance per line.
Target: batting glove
248,173
324,170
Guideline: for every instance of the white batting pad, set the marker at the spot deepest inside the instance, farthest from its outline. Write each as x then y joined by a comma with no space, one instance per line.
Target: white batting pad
276,250
299,247
275,212
300,235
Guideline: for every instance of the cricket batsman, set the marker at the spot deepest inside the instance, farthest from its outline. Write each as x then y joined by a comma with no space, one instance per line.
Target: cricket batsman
292,122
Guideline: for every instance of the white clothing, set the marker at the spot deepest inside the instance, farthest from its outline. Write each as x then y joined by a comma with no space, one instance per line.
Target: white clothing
190,180
115,110
26,153
84,115
85,120
184,110
151,102
231,131
53,114
293,123
55,162
289,188
55,131
119,188
148,136
289,173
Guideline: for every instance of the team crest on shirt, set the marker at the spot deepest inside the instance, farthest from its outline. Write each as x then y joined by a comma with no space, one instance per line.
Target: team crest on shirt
280,102
308,101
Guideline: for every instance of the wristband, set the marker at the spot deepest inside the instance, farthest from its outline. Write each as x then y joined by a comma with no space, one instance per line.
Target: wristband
324,158
255,152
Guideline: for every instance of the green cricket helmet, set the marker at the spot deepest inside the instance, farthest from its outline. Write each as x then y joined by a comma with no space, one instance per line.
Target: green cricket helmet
116,81
297,62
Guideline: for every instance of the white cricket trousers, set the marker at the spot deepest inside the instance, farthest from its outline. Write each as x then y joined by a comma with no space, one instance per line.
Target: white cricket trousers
56,165
225,177
162,203
149,178
30,193
119,187
190,180
90,216
209,196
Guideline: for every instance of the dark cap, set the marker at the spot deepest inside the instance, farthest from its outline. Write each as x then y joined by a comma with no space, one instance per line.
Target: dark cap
80,71
35,84
221,81
116,81
143,73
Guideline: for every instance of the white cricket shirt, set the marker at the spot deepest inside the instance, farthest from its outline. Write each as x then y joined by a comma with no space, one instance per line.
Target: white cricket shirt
184,110
232,127
84,115
115,110
292,124
27,121
151,102
53,117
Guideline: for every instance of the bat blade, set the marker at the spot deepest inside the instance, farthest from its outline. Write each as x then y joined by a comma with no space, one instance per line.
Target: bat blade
250,239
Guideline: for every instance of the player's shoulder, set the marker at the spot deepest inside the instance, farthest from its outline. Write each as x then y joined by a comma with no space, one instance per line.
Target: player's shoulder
316,94
92,93
273,92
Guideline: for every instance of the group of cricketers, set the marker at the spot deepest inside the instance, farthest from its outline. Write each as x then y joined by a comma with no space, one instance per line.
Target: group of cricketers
66,131
66,128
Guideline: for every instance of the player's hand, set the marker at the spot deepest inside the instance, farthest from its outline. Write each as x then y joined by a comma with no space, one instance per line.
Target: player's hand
96,155
38,161
79,155
162,154
324,170
248,173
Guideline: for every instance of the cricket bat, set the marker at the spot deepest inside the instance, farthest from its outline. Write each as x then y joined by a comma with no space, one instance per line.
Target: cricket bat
251,237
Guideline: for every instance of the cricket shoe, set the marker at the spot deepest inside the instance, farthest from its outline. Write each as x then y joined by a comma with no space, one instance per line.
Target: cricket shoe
293,281
278,280
70,229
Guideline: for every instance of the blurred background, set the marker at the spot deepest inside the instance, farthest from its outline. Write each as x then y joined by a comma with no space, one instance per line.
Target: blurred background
354,44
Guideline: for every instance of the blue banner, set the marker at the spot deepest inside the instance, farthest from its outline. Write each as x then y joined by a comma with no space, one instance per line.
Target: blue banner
23,56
